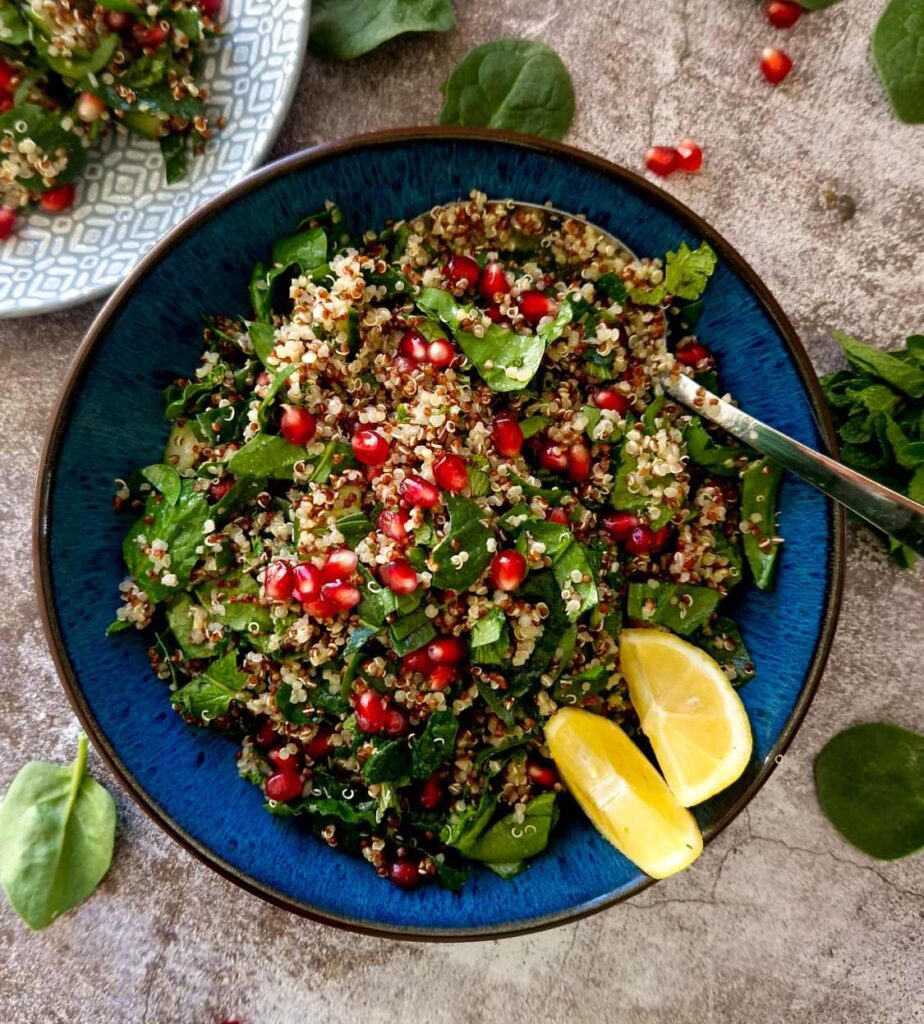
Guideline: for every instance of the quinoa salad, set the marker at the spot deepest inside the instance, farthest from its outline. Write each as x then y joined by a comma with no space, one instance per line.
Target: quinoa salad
71,70
408,504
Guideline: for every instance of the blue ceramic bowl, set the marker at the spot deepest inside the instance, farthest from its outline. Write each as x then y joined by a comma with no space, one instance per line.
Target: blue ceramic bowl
110,419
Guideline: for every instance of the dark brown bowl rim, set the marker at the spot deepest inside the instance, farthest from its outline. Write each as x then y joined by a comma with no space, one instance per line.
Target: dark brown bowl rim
256,179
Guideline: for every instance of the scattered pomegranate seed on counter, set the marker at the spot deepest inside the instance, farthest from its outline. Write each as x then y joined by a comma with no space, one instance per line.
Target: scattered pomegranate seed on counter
783,13
662,160
775,65
690,156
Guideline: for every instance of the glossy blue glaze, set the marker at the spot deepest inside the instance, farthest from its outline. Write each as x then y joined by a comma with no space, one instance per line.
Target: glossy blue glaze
116,423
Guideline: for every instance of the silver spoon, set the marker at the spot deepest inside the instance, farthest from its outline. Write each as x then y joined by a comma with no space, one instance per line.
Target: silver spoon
887,510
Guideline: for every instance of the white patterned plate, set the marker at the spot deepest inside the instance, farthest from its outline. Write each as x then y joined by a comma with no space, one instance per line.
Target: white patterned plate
123,205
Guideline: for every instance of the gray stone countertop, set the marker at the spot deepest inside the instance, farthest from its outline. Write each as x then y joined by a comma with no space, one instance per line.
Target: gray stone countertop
779,920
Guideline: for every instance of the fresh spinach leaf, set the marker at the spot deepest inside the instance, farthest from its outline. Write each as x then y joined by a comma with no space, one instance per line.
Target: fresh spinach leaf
686,274
570,565
337,455
173,151
239,596
354,526
410,632
760,483
515,84
166,480
682,607
211,694
13,29
510,841
721,639
507,361
435,745
57,830
462,829
467,534
870,784
389,762
490,638
898,53
344,29
43,128
263,336
267,455
180,621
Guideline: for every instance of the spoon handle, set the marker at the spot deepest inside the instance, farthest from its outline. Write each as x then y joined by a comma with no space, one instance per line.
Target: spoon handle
896,515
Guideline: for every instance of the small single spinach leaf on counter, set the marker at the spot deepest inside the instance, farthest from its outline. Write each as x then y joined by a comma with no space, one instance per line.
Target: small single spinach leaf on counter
435,745
466,534
898,53
509,841
515,84
165,479
389,762
180,526
57,830
211,694
686,274
507,361
267,455
344,29
870,784
681,607
721,639
760,483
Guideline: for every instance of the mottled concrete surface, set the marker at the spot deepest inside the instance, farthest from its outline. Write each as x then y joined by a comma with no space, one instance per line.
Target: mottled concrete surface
779,920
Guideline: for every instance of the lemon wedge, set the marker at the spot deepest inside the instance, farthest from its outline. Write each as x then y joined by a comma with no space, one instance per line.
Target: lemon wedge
689,711
622,793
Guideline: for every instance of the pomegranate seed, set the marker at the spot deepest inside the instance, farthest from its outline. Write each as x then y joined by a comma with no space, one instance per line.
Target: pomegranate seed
58,199
578,463
319,745
441,353
557,515
441,677
263,378
371,712
447,650
642,540
210,8
89,107
342,596
494,314
534,306
283,786
610,398
297,425
9,77
783,13
307,585
403,364
369,447
691,156
404,874
320,608
508,569
692,354
506,434
6,101
393,522
413,345
662,160
118,21
266,735
461,270
431,793
279,580
542,774
396,723
399,576
416,661
620,524
552,457
149,37
282,763
493,282
340,564
451,472
221,487
419,492
775,65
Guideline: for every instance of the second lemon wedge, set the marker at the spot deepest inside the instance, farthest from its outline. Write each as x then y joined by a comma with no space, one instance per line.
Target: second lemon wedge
689,711
621,792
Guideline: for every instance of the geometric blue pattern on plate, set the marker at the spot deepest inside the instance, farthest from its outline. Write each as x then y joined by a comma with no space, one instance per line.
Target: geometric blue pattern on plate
124,206
112,421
